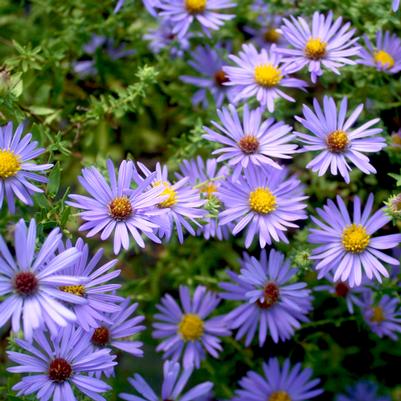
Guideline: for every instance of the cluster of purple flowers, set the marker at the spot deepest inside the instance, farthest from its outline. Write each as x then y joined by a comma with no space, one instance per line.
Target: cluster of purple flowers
67,303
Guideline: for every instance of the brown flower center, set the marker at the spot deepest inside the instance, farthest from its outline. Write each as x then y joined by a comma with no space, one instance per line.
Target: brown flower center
271,35
249,144
220,77
26,283
120,208
59,370
341,289
337,141
101,336
271,294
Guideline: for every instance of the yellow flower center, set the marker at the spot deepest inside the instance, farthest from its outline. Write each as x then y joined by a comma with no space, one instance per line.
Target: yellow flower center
262,201
267,75
355,239
280,396
120,208
208,189
337,141
74,289
384,59
271,35
168,191
191,327
378,315
315,49
9,164
195,6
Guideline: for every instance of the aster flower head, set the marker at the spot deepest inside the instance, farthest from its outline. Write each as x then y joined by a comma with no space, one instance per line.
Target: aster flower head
382,317
253,141
206,12
117,331
163,37
385,55
272,302
181,205
396,5
362,391
17,168
346,245
206,177
340,289
261,74
115,207
324,43
98,290
278,383
59,366
186,330
208,63
30,282
174,383
265,201
331,133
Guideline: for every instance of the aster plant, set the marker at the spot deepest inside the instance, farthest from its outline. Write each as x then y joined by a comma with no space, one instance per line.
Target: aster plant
174,382
17,166
182,13
362,391
117,330
323,43
208,62
332,135
181,205
265,201
206,177
346,245
385,54
98,291
30,282
117,208
59,367
187,331
253,141
383,316
271,301
278,383
261,75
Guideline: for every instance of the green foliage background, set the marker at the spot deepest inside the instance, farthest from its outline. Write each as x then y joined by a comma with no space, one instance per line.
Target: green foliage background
137,107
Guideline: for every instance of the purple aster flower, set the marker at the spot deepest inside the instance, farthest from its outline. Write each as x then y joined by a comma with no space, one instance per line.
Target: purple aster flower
174,382
98,291
163,37
261,74
331,134
396,5
184,12
385,55
383,317
209,64
17,168
181,206
117,331
347,247
252,141
30,282
117,208
186,330
362,391
323,43
272,302
60,366
206,177
278,383
341,289
265,201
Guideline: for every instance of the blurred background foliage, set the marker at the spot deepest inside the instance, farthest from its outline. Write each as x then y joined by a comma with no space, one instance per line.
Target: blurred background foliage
137,107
